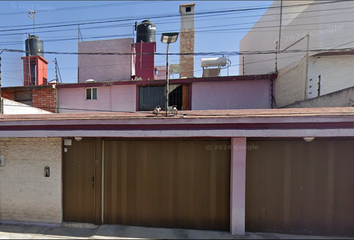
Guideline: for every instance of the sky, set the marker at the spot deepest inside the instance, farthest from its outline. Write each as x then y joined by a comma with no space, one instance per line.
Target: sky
216,32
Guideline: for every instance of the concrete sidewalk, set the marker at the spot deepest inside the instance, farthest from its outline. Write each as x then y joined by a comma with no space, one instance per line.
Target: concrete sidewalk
128,232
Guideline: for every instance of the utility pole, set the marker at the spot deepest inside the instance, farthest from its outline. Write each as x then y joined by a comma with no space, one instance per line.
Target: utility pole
1,102
79,35
56,70
280,23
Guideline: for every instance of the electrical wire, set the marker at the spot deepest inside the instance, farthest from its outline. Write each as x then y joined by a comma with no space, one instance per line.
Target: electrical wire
122,25
72,8
170,15
230,53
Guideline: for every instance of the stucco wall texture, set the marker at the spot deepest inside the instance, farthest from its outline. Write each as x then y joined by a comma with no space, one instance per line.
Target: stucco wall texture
290,85
342,98
109,98
25,194
104,68
231,95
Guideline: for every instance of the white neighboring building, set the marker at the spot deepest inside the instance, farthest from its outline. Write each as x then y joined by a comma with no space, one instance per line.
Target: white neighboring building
306,25
327,73
329,25
13,107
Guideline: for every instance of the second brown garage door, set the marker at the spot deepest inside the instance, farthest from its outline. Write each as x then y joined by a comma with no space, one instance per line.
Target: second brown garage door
298,187
179,184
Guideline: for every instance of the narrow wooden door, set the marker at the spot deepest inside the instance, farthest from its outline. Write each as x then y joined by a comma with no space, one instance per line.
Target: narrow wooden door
79,181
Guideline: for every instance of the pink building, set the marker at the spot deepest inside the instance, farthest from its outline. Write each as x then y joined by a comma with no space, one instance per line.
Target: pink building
234,92
252,94
97,97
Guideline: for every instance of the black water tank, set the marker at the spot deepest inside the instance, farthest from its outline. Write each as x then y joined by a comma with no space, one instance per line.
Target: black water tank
146,32
34,46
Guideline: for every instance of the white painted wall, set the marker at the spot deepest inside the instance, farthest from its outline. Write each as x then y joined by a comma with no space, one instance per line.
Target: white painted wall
13,107
328,26
292,85
103,68
336,74
25,194
109,98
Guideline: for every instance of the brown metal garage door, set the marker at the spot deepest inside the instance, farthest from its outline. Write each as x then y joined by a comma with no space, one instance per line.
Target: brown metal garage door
179,184
299,187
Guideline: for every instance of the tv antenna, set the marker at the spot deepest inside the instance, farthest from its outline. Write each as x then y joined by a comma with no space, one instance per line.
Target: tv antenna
32,16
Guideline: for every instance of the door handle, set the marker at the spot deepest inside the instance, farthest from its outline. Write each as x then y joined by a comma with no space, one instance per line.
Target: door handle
93,181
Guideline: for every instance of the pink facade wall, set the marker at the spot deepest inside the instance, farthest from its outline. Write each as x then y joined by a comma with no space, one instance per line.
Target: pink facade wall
231,95
238,186
109,98
103,68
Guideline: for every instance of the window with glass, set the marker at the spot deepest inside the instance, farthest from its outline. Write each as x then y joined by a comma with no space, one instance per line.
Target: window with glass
91,93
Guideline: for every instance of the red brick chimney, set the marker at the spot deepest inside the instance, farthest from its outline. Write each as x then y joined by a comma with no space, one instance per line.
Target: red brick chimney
187,40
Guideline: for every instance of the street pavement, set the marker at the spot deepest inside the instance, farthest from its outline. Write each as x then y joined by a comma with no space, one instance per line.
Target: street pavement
129,232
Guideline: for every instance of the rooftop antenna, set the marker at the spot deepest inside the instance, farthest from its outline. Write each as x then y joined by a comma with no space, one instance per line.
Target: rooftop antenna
79,35
32,16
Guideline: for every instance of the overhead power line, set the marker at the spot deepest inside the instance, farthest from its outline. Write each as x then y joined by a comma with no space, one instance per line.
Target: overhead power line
223,30
199,31
71,8
209,29
190,53
168,15
169,22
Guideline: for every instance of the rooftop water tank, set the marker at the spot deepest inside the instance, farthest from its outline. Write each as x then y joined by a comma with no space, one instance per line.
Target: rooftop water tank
146,32
214,62
34,46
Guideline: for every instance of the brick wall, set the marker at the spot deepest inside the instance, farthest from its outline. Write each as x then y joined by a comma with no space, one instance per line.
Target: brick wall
187,46
9,94
44,98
